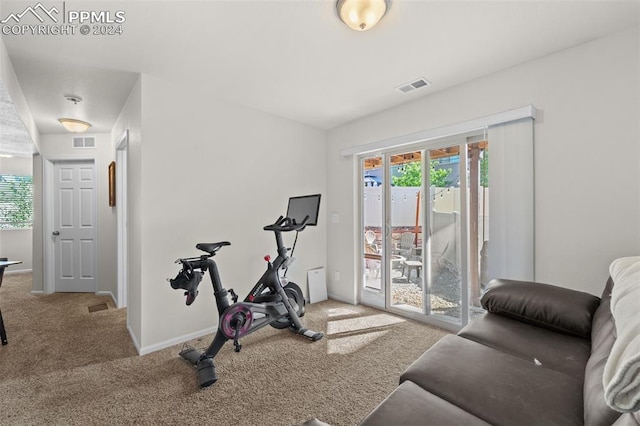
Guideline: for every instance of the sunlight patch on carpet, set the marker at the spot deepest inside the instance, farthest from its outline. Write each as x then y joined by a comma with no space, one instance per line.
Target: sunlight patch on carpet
352,344
341,312
361,323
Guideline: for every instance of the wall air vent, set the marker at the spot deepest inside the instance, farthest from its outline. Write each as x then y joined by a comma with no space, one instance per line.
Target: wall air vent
84,142
414,85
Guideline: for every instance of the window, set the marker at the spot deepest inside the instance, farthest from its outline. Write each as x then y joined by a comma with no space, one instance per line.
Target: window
16,201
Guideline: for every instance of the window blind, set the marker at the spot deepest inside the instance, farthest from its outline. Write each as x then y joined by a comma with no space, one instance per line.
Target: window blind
16,201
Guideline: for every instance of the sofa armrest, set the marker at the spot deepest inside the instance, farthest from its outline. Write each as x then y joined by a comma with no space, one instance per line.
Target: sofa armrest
559,309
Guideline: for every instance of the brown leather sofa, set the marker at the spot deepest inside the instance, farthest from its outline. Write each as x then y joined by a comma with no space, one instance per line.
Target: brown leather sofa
535,358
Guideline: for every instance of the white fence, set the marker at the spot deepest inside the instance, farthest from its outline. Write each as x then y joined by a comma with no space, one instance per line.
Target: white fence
444,218
404,205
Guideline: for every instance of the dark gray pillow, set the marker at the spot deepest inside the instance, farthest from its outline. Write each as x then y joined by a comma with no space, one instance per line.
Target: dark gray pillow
555,308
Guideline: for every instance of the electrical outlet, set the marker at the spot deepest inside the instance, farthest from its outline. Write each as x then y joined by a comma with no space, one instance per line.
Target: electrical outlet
336,276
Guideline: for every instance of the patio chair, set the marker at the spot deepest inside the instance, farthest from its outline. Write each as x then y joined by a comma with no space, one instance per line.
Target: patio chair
371,248
406,244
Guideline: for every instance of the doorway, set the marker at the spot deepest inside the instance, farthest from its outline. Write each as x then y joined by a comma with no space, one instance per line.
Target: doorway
72,249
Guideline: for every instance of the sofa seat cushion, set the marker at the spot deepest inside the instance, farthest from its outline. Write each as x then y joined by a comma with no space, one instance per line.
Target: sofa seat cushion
556,308
497,387
409,404
561,352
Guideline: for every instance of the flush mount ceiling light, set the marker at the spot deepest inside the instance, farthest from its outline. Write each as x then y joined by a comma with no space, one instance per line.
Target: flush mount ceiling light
361,15
73,125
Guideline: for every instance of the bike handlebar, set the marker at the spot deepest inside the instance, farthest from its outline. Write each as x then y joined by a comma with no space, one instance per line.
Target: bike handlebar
286,224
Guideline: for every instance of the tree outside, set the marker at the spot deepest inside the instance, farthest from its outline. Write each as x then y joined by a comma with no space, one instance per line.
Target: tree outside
411,175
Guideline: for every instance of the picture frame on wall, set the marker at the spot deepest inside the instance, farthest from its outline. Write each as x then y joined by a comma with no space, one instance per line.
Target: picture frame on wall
112,184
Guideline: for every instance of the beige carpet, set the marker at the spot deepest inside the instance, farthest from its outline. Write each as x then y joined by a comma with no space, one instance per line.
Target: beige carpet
64,365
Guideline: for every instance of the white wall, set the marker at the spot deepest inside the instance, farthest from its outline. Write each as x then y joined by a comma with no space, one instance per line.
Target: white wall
203,171
16,244
57,147
21,249
586,142
131,119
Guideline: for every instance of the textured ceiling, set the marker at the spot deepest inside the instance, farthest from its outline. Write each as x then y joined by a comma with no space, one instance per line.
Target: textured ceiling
294,58
14,138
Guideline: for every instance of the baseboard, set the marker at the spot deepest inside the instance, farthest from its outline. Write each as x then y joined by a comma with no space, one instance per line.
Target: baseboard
134,340
37,292
341,299
17,271
108,293
176,341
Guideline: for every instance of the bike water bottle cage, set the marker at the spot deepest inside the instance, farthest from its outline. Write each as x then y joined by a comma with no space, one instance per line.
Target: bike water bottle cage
212,248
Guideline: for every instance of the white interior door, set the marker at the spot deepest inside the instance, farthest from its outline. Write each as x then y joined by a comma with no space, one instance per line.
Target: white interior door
74,230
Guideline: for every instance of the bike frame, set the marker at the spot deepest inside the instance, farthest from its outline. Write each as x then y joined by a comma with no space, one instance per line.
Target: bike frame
272,310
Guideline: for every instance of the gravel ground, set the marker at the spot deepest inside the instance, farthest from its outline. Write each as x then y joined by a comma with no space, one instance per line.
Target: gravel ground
445,297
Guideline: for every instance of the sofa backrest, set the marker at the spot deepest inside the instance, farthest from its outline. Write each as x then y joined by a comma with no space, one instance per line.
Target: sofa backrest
603,336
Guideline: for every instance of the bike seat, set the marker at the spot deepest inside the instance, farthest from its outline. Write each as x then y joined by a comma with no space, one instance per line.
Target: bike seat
211,248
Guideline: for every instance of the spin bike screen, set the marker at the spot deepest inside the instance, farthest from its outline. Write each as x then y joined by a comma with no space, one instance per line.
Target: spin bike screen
301,207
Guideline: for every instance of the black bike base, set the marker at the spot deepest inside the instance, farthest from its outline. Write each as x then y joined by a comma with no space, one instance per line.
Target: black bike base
205,367
206,372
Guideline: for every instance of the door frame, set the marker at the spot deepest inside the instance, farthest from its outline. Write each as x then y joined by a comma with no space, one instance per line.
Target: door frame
48,194
382,299
122,147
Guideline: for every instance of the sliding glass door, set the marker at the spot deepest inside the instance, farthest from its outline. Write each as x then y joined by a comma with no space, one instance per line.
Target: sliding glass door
405,220
424,216
445,228
372,204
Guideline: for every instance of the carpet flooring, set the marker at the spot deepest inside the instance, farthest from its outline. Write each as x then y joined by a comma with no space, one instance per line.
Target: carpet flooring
65,365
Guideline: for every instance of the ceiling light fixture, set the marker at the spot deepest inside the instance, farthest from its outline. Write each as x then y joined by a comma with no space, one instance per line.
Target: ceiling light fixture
73,125
362,15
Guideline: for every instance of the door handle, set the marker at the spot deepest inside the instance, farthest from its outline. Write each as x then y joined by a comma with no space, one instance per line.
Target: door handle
55,233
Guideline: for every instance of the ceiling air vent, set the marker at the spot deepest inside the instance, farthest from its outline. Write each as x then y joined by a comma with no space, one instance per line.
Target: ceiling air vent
84,142
414,85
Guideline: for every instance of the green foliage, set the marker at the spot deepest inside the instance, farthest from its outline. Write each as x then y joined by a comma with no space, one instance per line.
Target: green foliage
439,177
16,201
411,175
484,170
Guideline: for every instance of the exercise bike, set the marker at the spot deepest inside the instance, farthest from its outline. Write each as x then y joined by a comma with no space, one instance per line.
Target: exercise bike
268,303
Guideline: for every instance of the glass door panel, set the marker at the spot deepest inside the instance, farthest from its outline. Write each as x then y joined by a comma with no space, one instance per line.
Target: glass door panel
445,228
405,222
372,219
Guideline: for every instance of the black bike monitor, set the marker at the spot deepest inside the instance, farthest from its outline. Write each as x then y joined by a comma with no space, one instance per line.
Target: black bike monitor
301,207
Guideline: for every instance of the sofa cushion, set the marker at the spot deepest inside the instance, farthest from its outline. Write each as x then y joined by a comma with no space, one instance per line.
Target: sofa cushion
556,308
497,387
409,404
622,371
567,354
596,410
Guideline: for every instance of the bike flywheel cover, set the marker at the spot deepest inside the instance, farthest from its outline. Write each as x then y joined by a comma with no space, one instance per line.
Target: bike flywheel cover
225,321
